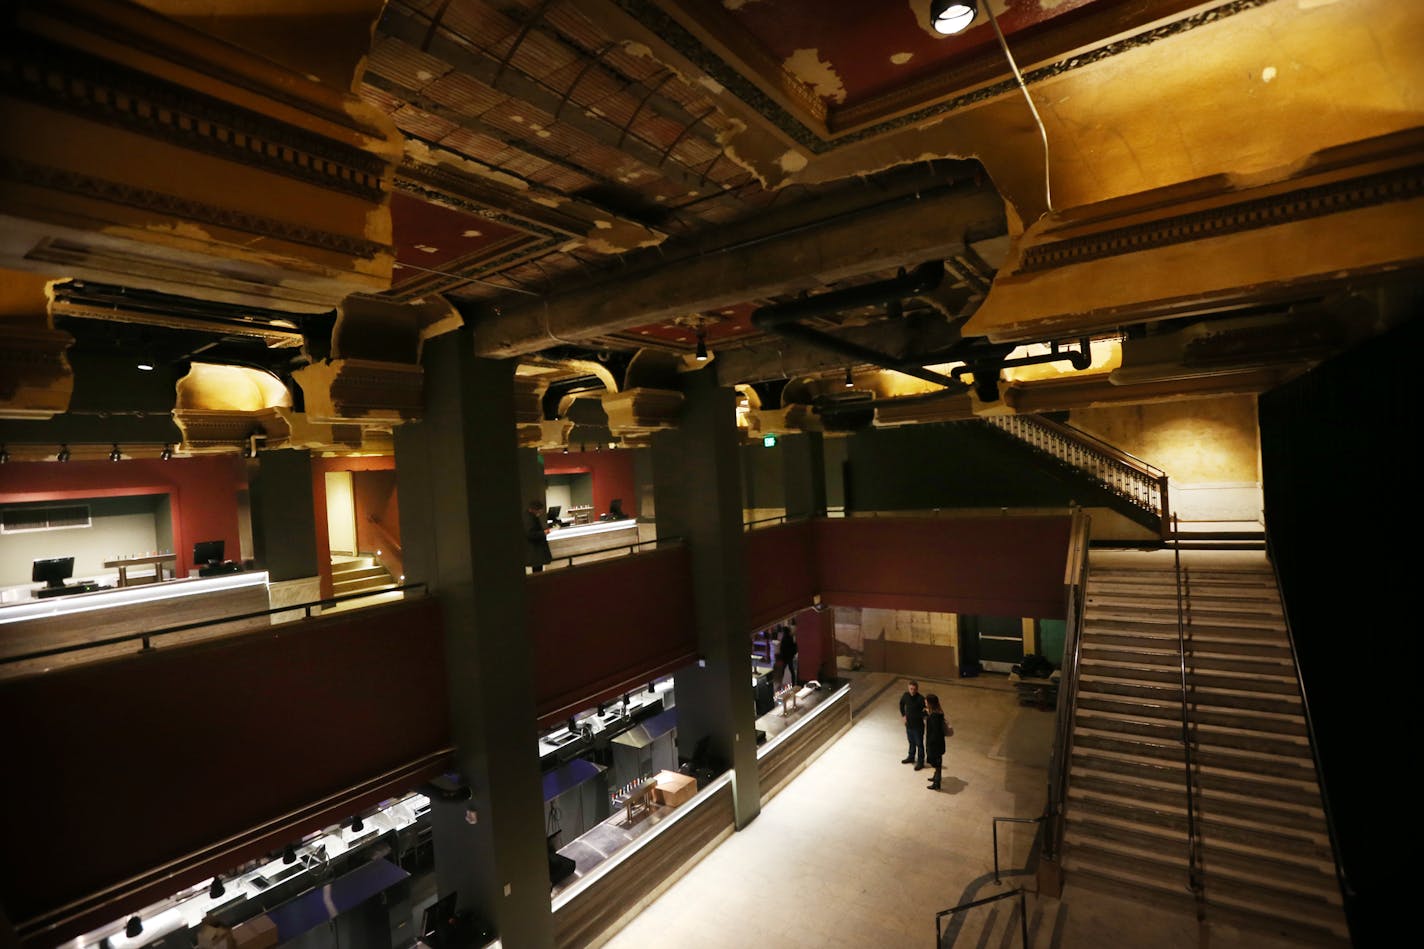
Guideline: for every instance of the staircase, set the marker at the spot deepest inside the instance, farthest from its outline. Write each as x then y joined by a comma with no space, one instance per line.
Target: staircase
359,575
1266,858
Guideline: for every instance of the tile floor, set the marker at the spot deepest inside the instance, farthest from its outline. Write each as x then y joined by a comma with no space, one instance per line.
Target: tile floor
856,851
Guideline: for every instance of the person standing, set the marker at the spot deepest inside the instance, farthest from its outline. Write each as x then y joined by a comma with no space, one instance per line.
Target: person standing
536,536
935,733
786,654
912,713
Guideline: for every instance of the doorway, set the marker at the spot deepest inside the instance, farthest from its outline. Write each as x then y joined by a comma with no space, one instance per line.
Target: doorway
340,514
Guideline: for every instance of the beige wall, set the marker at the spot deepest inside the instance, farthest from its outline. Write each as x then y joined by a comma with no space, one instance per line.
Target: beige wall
1193,440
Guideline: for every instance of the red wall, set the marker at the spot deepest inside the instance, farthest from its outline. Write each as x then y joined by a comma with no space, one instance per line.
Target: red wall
202,492
781,571
123,766
375,494
989,566
320,466
815,644
593,641
612,471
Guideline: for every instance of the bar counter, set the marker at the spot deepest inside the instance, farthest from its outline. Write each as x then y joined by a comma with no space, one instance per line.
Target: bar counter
40,624
584,538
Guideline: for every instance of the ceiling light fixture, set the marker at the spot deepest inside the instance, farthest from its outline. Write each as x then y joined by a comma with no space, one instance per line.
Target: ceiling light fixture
166,454
356,825
115,455
63,453
289,854
146,363
134,927
217,889
4,455
701,345
952,16
850,382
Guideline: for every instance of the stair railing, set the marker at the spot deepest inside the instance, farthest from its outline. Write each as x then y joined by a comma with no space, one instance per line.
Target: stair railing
1023,914
1194,875
1139,483
1075,583
389,553
1010,820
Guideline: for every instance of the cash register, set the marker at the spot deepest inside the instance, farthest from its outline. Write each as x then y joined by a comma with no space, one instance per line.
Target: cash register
208,555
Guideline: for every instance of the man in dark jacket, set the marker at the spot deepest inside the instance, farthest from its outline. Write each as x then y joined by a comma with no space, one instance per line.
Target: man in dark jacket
536,537
912,712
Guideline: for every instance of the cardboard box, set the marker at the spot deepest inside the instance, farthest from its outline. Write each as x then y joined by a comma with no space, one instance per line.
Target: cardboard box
257,933
674,789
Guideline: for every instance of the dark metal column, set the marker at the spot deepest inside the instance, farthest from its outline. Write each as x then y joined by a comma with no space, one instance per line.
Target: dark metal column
283,515
804,468
697,488
461,513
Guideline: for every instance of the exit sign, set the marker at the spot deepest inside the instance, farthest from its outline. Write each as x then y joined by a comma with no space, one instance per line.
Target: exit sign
769,440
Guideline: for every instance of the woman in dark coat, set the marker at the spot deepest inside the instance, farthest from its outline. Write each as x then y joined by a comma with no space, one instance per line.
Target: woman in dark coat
935,732
786,653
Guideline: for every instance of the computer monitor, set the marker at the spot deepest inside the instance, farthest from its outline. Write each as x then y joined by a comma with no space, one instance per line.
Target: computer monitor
554,513
52,571
208,551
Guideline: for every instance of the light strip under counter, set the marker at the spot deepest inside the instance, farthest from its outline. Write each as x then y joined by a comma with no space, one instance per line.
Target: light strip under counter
129,596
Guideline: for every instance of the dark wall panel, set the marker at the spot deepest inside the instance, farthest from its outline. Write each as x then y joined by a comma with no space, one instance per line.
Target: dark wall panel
952,465
604,628
781,571
996,566
1342,518
210,754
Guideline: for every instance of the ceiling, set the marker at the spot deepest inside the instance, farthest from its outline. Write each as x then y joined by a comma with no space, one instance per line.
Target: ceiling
586,180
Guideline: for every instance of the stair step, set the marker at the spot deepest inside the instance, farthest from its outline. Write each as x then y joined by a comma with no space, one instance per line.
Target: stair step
1217,607
1283,791
1235,759
1169,708
1297,921
383,582
1225,644
1136,616
1228,832
1205,735
1160,628
1202,657
1278,684
1200,696
358,573
1169,788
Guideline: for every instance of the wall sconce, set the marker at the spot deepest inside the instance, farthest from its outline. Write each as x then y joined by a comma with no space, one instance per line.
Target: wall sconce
116,455
166,454
63,453
4,455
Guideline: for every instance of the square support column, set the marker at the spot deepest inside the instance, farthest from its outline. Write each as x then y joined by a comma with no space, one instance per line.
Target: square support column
804,469
461,508
698,498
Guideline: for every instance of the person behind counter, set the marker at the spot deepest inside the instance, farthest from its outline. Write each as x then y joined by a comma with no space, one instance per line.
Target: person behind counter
536,536
615,511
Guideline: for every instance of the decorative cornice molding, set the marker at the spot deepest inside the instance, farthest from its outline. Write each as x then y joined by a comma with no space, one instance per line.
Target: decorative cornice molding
1398,184
146,199
114,95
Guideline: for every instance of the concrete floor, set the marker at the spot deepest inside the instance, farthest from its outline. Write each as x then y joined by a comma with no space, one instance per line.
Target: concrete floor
856,851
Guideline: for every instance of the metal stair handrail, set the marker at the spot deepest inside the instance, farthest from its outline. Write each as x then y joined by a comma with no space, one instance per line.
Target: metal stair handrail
1075,582
1136,481
1194,875
1010,894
